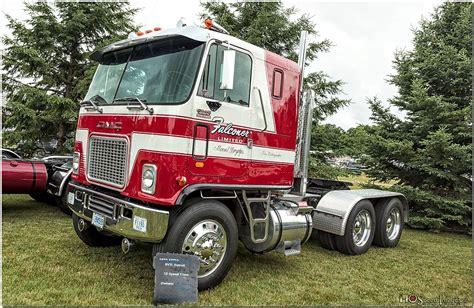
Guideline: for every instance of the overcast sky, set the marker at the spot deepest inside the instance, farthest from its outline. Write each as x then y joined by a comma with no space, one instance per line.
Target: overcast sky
365,36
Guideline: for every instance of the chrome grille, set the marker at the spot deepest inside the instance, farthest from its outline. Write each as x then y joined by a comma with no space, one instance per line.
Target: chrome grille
101,206
108,160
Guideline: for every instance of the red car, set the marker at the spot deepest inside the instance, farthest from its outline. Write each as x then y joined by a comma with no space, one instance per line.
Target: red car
22,176
29,176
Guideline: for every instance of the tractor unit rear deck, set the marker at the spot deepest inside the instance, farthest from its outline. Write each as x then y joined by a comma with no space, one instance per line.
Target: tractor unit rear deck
191,140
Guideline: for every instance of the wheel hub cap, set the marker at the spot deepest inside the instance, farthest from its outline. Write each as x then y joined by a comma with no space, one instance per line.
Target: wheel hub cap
362,228
394,222
207,240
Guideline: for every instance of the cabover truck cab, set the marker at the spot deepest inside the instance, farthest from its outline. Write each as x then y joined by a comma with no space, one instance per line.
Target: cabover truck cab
191,139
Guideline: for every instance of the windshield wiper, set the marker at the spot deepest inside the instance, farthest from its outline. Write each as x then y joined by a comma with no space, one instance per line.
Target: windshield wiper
94,105
142,106
230,100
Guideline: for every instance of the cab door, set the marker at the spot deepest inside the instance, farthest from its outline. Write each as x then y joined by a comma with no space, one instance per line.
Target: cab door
222,131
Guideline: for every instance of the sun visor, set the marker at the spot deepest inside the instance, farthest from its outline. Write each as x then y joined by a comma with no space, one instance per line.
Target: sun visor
192,32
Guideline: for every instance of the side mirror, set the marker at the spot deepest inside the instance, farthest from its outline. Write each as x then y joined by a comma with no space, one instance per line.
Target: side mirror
228,66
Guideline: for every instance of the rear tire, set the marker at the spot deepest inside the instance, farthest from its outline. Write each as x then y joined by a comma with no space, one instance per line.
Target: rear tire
389,222
92,237
206,229
360,230
327,240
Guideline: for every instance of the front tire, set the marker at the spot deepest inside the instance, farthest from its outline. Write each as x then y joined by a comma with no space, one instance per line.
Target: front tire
208,230
91,236
360,230
389,217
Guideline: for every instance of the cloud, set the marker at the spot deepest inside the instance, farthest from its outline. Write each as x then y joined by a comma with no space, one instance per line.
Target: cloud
365,37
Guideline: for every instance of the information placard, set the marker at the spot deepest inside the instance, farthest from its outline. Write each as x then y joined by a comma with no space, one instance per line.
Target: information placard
175,278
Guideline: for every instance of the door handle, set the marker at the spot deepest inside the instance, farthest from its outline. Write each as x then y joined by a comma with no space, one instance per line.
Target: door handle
13,163
249,143
263,108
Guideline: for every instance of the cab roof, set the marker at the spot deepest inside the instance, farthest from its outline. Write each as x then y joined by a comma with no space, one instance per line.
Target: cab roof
193,32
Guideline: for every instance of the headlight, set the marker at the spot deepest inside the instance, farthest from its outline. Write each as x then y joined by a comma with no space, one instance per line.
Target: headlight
149,179
76,158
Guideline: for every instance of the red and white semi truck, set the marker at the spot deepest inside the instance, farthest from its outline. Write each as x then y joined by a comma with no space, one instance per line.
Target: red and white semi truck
191,139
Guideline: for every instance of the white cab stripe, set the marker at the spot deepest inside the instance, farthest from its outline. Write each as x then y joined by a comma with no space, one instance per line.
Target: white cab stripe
183,145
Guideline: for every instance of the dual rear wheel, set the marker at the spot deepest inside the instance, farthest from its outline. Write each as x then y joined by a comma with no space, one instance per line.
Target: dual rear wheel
367,225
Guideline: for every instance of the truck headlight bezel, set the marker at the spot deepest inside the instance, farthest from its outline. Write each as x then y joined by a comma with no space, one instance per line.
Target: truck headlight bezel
76,161
148,179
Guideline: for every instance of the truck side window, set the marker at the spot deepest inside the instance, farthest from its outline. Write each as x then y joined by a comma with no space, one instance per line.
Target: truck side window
277,83
211,77
206,87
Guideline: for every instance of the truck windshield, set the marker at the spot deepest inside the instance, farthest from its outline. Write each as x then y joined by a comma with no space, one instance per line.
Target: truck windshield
161,72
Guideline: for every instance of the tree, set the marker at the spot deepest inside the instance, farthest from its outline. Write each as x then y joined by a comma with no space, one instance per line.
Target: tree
47,69
356,140
429,151
273,27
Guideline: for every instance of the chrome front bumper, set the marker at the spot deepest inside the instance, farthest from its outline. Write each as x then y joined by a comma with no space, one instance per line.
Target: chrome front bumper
119,214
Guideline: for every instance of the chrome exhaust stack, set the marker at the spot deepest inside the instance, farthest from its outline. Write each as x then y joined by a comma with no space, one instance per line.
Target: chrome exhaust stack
127,245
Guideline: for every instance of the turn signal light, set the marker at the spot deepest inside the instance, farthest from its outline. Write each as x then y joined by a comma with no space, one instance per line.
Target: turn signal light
199,164
181,180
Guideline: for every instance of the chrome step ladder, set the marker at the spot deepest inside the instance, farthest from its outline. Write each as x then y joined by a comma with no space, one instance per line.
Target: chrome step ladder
258,221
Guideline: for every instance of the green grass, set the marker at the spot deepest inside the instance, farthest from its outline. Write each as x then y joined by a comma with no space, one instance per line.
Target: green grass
44,263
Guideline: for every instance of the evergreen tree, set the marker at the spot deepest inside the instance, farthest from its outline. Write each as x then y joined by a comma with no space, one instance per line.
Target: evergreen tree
273,27
47,69
429,151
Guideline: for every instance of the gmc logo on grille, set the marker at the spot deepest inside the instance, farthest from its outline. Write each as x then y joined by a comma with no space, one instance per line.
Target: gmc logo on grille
111,125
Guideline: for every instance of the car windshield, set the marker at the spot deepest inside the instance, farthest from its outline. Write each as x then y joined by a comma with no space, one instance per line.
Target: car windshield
161,72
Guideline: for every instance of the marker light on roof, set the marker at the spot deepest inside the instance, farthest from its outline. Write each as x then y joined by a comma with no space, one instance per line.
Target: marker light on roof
157,28
212,25
140,33
208,23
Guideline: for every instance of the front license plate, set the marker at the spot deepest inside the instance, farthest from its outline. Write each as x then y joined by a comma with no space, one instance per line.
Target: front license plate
98,220
70,198
139,223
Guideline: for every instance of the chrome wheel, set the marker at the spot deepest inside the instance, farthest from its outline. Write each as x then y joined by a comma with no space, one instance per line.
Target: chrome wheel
207,240
394,222
362,228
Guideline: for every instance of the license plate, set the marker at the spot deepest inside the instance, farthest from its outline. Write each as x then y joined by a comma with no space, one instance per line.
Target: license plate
70,198
98,220
139,223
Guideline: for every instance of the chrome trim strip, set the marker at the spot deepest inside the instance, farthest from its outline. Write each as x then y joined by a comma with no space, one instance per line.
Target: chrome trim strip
195,187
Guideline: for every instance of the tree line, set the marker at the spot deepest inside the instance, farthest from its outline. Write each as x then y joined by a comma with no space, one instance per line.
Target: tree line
427,153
